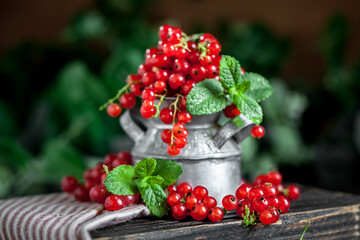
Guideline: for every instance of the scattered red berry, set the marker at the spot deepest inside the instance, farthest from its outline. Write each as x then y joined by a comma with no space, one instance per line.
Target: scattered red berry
229,202
258,131
114,110
114,203
69,184
216,214
294,192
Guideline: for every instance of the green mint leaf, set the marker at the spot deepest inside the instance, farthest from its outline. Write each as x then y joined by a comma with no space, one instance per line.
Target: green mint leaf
244,86
169,170
260,88
206,97
153,196
229,71
120,181
249,107
145,167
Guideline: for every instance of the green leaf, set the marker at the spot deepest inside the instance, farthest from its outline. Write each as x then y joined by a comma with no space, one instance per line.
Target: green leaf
206,97
145,167
260,88
153,196
249,107
120,181
169,170
229,71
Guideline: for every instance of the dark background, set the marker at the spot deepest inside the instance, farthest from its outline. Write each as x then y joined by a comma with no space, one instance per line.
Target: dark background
60,60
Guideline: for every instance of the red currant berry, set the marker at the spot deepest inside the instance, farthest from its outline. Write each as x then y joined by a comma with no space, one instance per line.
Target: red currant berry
181,66
169,49
198,73
179,211
266,217
193,57
212,71
205,60
172,189
173,199
269,189
255,192
88,185
147,113
150,51
216,59
87,174
284,204
136,89
180,52
214,47
120,161
167,115
216,214
103,178
166,136
131,199
180,142
275,214
182,104
109,158
200,192
261,179
159,86
274,201
184,189
148,78
294,192
229,202
125,155
160,45
173,150
191,45
209,202
96,175
127,100
231,111
148,94
260,204
258,131
207,38
69,184
174,36
191,201
176,80
241,207
163,31
114,203
160,60
242,191
187,86
242,70
162,75
142,69
147,105
133,78
184,117
99,193
178,129
114,110
81,193
199,212
274,177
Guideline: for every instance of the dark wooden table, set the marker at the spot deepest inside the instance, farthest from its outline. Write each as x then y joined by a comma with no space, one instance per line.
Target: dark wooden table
333,215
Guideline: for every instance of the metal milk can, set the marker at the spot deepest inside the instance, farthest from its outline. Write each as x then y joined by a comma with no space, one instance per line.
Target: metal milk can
211,157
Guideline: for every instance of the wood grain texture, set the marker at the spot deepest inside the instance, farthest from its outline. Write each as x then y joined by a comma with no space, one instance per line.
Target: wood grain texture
333,215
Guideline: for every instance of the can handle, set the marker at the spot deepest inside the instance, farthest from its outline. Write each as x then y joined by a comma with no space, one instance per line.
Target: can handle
130,127
238,127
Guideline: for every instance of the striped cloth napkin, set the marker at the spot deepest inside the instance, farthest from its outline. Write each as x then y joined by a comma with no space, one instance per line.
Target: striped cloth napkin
58,216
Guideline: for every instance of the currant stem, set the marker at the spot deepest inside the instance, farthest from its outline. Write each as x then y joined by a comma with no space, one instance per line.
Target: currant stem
174,104
106,169
157,106
303,234
110,101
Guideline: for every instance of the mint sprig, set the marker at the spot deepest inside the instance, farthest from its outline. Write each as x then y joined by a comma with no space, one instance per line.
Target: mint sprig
249,219
244,90
149,177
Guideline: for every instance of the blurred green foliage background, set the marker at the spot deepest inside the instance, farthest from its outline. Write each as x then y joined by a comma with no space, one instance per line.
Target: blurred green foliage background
50,125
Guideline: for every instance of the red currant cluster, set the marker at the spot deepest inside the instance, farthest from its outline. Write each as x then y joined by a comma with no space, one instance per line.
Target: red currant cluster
94,188
185,201
170,70
266,198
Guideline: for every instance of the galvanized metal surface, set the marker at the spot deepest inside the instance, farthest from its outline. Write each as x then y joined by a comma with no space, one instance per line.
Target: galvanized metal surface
211,157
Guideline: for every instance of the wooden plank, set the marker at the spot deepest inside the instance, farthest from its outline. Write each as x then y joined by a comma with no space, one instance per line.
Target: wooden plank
333,215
